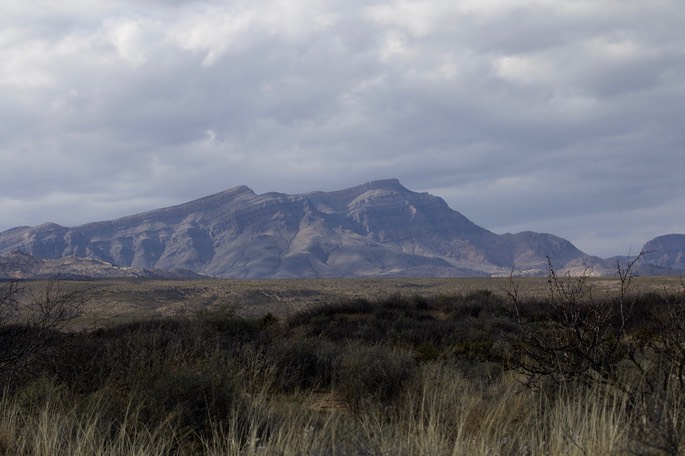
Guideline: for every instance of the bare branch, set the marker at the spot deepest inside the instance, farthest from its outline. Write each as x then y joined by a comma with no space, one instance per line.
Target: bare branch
31,324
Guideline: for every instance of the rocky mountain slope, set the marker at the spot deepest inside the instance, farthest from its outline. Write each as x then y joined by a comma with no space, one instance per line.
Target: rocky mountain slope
19,265
376,229
666,251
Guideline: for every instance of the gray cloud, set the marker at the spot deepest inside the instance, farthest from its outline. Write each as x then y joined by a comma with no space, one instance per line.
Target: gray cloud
541,115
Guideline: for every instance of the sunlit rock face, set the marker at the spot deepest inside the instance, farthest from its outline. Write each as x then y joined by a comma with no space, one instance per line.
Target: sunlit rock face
375,229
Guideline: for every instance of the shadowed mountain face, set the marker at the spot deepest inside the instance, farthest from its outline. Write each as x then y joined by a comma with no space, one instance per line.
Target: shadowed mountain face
376,229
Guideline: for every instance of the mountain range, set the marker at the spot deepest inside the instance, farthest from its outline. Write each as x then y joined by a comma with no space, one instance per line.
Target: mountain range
377,229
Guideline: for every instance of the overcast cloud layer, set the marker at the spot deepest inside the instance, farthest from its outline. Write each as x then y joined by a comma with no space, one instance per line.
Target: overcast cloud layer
553,116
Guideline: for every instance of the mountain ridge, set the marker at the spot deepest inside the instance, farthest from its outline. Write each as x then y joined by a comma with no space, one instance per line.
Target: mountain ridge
375,229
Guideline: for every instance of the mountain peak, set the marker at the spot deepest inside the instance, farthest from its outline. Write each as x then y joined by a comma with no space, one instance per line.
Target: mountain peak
238,190
391,184
381,186
383,183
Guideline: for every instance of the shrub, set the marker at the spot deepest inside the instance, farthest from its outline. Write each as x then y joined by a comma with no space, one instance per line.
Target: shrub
302,364
374,374
31,324
581,338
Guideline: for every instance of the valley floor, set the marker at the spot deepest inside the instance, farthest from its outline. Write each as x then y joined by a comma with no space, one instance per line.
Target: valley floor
117,300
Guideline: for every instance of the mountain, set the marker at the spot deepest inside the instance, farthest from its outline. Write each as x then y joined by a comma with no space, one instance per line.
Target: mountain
667,251
375,229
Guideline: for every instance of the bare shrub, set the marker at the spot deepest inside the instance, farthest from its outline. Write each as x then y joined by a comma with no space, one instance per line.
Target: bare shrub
31,325
580,337
660,393
632,344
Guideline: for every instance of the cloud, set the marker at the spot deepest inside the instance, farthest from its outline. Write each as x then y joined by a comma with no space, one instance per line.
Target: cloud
133,39
521,114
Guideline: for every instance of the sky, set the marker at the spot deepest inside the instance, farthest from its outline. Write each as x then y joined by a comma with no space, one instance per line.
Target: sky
559,116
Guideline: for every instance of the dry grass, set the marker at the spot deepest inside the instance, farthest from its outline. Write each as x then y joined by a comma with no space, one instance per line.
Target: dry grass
413,370
56,427
120,301
446,415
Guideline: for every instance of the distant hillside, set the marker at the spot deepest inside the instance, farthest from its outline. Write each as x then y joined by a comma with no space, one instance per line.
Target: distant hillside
372,230
666,251
18,265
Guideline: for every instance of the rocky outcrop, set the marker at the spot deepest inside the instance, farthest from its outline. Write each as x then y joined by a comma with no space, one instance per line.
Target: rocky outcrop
17,265
376,229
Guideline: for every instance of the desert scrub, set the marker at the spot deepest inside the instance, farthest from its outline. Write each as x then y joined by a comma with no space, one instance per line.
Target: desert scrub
302,364
376,375
410,322
421,375
32,320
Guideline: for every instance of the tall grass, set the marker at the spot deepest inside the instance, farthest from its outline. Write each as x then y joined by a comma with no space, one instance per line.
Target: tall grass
222,385
58,425
454,416
445,414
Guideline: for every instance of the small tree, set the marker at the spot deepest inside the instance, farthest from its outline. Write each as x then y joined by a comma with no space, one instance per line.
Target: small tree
581,337
31,325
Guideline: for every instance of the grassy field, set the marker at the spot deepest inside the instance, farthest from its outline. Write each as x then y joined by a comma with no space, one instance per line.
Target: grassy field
349,367
116,301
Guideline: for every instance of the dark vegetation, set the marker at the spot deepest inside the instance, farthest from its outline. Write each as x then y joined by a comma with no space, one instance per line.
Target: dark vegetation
216,370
